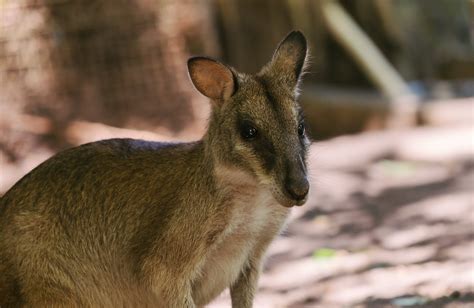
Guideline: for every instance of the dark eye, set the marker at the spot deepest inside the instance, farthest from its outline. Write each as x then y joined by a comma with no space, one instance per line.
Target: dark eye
248,131
301,129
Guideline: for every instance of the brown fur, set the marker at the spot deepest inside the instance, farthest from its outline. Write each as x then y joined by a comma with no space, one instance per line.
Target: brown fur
131,223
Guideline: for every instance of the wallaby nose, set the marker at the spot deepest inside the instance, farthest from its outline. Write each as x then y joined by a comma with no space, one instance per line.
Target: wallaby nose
297,189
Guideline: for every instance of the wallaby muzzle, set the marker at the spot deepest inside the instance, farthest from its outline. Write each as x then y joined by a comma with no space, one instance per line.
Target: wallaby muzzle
297,188
296,185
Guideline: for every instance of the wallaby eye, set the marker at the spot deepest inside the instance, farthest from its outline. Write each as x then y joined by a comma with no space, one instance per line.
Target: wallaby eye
248,131
301,129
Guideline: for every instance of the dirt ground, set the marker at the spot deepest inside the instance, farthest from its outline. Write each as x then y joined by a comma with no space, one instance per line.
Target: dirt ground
389,221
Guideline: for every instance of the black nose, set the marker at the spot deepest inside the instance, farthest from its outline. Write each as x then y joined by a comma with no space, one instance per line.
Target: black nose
297,188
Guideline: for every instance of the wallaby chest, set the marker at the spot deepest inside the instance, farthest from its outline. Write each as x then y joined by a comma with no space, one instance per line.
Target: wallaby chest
253,220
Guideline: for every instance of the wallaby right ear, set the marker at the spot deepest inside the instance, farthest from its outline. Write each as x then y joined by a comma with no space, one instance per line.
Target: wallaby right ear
212,78
288,60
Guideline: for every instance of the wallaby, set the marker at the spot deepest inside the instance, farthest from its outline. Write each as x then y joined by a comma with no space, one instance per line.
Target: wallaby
133,223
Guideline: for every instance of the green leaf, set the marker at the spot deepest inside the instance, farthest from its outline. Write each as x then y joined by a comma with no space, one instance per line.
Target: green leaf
324,253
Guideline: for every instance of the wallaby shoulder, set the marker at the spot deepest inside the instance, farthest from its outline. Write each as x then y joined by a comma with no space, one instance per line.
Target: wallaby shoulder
111,158
110,178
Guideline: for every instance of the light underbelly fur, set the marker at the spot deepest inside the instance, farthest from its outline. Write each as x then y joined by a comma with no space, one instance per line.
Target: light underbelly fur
225,262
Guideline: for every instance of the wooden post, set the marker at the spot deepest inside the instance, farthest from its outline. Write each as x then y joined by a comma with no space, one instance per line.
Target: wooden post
403,101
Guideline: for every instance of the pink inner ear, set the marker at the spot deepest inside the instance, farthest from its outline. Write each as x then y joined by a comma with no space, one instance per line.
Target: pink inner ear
211,78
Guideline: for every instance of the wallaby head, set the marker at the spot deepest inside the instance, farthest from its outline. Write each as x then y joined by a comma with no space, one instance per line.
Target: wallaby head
256,124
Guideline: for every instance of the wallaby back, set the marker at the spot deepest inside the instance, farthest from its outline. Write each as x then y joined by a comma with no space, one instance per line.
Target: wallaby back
134,223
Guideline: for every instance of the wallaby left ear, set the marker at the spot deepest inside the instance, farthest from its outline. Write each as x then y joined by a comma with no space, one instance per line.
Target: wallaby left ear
289,58
212,78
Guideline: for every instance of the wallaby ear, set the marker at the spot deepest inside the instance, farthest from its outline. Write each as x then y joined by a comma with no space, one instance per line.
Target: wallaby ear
289,58
212,78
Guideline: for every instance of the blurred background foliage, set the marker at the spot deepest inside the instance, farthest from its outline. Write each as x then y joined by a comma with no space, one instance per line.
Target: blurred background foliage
389,208
122,63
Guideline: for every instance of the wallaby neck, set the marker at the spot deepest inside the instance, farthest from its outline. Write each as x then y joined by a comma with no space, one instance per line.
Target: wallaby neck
227,174
209,142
